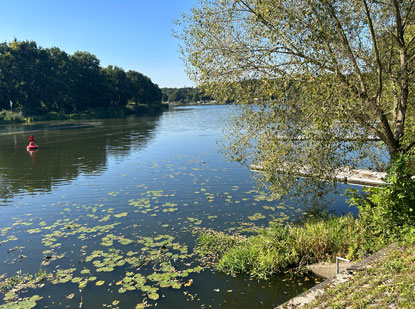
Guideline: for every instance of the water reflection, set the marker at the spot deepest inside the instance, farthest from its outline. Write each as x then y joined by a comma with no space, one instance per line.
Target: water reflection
66,151
33,155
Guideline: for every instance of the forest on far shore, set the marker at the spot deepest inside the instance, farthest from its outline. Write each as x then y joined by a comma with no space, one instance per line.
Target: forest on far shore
37,81
184,95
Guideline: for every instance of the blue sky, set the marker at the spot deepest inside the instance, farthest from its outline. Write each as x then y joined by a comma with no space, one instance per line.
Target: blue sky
132,34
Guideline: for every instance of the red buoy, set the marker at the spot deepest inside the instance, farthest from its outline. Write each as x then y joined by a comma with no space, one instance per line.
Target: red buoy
32,145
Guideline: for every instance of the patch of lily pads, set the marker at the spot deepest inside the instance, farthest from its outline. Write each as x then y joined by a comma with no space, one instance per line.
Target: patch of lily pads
111,251
157,263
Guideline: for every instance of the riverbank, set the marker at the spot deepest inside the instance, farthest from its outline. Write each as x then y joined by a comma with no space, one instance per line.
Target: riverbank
384,279
385,216
284,247
7,117
379,279
198,103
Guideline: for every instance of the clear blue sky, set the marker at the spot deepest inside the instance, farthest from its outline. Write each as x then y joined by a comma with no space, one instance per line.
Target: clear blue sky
132,34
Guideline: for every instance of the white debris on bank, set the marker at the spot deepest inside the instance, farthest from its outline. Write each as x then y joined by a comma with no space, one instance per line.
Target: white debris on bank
360,177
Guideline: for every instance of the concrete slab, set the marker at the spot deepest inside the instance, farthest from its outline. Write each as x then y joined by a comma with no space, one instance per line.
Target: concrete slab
327,270
360,177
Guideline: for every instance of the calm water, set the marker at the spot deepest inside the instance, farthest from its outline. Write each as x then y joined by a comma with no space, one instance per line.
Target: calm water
112,209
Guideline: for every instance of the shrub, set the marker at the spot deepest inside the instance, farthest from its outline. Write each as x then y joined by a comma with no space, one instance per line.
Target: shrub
11,117
386,212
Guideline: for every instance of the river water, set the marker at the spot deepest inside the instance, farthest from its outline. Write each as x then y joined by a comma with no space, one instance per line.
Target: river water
111,209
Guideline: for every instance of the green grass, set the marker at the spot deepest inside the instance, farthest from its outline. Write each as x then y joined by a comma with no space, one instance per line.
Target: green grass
387,283
279,248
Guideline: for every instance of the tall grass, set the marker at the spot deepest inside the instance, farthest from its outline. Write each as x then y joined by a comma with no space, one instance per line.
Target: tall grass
279,247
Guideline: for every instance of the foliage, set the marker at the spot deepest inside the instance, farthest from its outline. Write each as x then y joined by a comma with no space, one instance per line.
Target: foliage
386,213
278,247
213,245
184,95
12,286
9,283
40,81
317,81
8,116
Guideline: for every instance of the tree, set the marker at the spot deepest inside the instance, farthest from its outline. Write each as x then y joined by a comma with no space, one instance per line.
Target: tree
61,87
118,85
184,95
89,82
317,80
142,90
25,69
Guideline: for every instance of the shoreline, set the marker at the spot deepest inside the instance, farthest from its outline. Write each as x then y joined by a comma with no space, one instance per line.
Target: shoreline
89,115
320,289
359,177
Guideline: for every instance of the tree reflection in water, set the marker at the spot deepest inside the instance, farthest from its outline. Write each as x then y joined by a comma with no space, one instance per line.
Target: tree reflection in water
66,151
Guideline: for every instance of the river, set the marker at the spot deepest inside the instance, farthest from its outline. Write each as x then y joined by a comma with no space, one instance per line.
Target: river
111,209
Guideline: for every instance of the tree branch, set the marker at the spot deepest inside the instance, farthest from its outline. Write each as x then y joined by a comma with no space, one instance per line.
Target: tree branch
404,87
410,146
346,46
376,51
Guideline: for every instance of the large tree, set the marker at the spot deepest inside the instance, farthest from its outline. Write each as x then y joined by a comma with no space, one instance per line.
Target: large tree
318,80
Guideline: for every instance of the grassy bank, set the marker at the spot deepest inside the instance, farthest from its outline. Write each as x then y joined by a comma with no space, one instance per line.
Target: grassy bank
387,283
279,248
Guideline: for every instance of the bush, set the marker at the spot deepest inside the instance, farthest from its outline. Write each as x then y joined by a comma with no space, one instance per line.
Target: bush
386,212
11,117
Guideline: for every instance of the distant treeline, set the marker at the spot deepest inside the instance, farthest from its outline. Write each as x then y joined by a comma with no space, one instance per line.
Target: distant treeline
42,80
184,95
